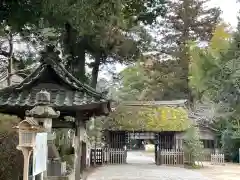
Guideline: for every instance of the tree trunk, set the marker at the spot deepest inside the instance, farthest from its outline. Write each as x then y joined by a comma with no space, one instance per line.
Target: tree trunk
185,59
75,49
95,71
79,63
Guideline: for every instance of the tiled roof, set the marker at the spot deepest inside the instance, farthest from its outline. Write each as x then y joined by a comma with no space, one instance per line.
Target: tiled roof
65,90
52,62
58,98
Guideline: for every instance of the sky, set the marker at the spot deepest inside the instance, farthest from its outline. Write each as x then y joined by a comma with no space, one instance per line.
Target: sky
229,9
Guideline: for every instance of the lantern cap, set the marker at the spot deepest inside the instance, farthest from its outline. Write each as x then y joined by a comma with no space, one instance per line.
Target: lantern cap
43,112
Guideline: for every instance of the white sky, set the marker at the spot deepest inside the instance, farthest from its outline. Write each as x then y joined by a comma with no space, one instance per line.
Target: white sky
229,9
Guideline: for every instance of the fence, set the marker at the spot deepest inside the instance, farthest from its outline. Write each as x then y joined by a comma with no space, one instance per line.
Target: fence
108,156
206,156
170,157
217,159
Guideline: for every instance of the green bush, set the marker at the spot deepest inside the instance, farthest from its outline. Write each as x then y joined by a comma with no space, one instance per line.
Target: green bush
230,145
11,160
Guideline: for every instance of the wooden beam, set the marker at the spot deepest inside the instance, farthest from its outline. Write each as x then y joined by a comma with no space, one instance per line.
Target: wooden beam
63,124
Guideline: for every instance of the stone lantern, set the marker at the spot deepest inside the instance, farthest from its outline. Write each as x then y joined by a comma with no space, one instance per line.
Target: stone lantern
42,112
27,129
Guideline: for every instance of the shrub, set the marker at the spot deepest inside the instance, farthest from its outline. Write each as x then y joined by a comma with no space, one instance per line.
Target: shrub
11,160
193,146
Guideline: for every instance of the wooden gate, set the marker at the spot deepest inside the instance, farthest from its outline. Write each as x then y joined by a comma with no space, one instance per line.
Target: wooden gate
98,153
163,140
116,139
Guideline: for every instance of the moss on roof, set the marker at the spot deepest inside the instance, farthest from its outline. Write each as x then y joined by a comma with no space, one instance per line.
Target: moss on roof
149,118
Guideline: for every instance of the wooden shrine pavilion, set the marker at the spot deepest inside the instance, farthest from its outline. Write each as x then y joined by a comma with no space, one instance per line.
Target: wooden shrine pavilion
68,95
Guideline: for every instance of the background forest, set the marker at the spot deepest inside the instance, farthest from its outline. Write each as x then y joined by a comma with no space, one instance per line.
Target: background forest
170,50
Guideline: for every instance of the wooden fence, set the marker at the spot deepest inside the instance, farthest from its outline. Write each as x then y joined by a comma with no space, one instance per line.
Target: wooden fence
115,156
108,156
170,157
217,159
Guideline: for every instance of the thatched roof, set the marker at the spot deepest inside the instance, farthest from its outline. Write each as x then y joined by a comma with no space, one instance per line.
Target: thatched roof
149,116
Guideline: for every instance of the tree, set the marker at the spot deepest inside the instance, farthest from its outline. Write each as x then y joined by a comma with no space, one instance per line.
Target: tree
100,32
167,78
133,83
84,26
159,81
186,20
164,82
192,145
14,61
215,75
205,62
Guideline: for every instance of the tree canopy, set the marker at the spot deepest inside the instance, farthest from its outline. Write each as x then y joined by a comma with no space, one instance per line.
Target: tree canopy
214,76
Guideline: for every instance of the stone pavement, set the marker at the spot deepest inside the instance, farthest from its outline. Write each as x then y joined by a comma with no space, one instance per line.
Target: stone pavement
142,167
144,172
228,171
138,157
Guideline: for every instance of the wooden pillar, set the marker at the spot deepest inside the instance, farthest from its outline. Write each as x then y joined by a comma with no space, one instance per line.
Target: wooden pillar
84,156
215,148
79,133
26,154
77,152
175,145
83,146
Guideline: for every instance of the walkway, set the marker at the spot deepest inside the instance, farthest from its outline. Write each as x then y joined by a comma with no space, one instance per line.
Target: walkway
140,167
144,172
228,171
139,157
